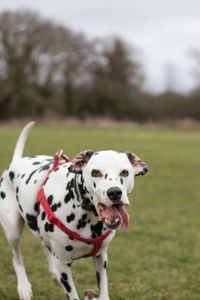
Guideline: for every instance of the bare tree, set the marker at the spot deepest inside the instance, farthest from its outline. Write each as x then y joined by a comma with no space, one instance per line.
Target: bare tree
118,78
38,60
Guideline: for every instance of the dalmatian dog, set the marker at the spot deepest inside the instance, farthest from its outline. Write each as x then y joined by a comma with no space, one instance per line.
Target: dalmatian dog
83,202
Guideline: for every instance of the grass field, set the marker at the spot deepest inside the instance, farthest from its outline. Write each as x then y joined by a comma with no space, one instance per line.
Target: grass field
158,258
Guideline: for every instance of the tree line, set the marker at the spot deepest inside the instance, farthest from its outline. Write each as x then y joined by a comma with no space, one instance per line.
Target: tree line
47,69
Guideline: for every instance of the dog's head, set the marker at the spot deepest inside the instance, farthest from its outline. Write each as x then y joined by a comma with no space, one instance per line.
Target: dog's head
109,178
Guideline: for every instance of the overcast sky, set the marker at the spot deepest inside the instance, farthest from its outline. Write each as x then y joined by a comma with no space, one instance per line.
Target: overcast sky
163,31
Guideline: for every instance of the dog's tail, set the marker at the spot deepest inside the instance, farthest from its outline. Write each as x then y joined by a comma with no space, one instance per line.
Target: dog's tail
19,148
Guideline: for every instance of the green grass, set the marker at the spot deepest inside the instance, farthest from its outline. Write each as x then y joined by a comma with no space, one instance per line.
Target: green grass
158,258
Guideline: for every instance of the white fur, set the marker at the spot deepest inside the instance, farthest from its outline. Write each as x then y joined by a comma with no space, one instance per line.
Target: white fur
111,163
19,148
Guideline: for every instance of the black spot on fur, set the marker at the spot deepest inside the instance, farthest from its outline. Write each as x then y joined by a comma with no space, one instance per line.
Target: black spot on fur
36,163
84,217
43,216
98,278
64,276
71,217
17,198
121,180
20,207
29,178
50,199
49,248
86,190
69,248
105,264
49,227
32,222
87,205
64,280
11,175
45,167
94,185
69,196
36,207
3,195
82,189
17,189
106,176
70,184
22,176
97,229
56,206
74,171
82,222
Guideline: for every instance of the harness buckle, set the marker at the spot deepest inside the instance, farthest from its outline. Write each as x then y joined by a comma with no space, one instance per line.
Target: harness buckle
58,155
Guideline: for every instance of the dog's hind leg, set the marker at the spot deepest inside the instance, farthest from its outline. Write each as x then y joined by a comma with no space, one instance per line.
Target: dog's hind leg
13,234
13,224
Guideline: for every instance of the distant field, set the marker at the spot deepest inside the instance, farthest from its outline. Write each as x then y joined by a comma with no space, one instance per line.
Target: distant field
158,258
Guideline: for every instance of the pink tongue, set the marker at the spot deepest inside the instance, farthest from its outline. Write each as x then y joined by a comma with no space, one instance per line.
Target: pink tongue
110,214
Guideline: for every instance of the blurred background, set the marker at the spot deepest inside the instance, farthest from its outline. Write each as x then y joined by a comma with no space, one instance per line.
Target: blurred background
125,60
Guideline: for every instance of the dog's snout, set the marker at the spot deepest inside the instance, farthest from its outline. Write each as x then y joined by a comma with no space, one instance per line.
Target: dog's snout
114,194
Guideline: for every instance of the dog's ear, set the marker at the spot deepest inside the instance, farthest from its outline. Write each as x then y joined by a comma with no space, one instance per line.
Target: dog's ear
139,166
81,159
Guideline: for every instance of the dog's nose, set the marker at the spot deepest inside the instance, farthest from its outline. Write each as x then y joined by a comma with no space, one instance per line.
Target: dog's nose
114,194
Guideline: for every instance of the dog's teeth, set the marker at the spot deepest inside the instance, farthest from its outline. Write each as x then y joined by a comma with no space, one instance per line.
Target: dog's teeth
101,208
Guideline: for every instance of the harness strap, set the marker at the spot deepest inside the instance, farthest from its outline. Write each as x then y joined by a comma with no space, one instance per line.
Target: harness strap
52,218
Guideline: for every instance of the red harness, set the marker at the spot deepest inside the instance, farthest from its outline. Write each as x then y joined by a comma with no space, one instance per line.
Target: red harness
42,200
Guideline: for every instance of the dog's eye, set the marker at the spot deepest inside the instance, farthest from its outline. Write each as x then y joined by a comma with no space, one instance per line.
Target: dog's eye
96,173
124,173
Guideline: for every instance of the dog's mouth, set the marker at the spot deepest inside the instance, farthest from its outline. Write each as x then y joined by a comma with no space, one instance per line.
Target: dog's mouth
114,216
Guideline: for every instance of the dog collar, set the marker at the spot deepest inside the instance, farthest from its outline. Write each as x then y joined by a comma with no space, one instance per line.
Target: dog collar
52,218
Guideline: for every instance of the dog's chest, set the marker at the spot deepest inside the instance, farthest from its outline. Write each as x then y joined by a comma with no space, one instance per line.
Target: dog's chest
63,194
70,211
76,220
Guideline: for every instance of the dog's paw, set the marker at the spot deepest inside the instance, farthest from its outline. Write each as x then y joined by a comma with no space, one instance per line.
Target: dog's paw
90,295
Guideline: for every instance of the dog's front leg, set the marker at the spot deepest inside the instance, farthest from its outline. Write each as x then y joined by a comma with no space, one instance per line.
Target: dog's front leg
66,280
101,263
